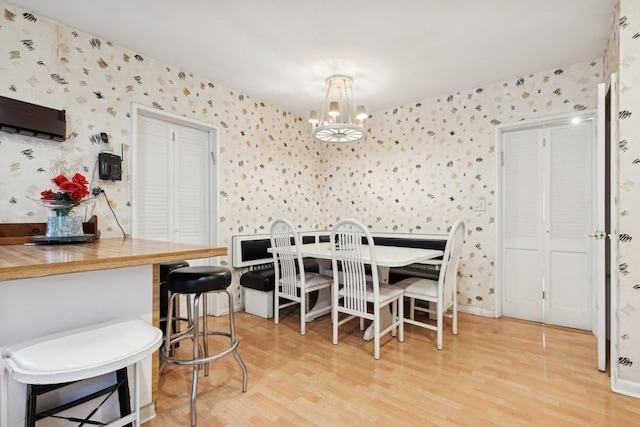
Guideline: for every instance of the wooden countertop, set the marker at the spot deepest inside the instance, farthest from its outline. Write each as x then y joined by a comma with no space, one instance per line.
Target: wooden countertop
22,261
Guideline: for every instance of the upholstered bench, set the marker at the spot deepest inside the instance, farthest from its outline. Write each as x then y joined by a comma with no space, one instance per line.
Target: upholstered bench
258,288
259,282
259,285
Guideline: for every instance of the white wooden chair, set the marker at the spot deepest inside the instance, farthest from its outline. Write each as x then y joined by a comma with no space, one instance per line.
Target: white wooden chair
292,283
357,293
441,292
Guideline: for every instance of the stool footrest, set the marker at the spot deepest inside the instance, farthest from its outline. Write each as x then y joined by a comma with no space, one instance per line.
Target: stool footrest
200,360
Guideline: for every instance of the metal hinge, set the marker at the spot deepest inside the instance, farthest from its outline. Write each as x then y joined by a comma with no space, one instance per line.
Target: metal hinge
213,158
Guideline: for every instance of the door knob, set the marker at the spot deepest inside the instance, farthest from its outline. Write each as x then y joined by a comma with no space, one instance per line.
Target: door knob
599,235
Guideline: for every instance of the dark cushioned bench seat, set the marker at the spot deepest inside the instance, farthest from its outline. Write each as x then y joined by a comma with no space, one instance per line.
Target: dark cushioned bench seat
397,274
263,279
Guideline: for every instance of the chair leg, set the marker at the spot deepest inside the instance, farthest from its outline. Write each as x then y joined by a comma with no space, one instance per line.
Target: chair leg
124,398
412,308
334,320
30,416
276,306
4,392
401,319
232,333
196,353
136,392
303,313
205,329
439,322
169,325
454,317
376,334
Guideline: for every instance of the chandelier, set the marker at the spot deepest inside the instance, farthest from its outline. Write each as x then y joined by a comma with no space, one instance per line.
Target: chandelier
339,120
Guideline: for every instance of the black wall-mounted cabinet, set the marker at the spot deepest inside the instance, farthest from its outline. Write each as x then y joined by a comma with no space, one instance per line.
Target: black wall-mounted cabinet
32,120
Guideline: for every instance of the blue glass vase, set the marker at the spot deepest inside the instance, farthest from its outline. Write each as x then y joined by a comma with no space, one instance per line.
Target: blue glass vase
63,222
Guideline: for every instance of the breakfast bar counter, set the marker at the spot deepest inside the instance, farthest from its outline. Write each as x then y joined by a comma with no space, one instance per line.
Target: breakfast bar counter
22,261
51,288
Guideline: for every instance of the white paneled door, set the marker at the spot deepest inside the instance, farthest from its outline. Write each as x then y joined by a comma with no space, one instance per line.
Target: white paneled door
522,257
172,182
547,211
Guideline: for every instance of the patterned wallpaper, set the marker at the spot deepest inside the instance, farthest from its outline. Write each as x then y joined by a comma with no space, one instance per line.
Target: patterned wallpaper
268,164
422,165
628,351
432,160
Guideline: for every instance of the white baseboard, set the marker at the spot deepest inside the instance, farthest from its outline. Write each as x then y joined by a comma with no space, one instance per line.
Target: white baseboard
626,387
147,412
477,311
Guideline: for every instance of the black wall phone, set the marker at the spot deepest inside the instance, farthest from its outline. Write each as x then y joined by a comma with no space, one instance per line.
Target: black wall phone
109,167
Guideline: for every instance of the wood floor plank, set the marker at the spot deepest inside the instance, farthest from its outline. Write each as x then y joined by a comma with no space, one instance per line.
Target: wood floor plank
496,372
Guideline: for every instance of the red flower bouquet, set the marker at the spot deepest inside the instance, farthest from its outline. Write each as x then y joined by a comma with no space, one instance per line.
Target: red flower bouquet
70,190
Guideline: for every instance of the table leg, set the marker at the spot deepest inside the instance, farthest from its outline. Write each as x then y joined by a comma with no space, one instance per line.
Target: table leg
323,302
322,305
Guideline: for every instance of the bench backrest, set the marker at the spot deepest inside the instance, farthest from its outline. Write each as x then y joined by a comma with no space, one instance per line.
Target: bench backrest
251,250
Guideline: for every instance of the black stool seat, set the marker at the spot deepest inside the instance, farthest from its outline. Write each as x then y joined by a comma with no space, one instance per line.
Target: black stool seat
199,279
167,267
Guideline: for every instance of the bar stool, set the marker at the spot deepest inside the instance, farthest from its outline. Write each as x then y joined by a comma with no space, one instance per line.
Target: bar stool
165,269
54,361
200,281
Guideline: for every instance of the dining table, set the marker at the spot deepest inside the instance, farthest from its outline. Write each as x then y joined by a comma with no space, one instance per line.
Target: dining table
385,257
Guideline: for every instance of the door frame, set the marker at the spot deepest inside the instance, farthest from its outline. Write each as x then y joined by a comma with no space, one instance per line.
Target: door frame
498,132
214,178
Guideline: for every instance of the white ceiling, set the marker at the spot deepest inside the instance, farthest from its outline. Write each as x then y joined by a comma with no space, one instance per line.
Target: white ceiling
398,52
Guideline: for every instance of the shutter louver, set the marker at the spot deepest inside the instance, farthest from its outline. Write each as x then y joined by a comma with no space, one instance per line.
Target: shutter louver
192,198
151,186
570,198
521,185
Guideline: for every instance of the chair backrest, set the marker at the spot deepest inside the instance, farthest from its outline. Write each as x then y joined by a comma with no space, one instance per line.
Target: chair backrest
349,238
285,244
450,261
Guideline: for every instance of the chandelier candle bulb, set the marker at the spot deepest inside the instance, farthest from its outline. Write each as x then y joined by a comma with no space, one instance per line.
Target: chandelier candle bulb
334,109
314,117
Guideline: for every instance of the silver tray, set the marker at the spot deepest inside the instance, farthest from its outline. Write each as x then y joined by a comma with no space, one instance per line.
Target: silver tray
44,240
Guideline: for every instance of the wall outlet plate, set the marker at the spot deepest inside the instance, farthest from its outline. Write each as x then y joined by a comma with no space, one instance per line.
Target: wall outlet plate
480,204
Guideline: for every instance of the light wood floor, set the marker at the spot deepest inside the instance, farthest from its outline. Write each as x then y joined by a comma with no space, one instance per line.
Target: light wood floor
495,372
